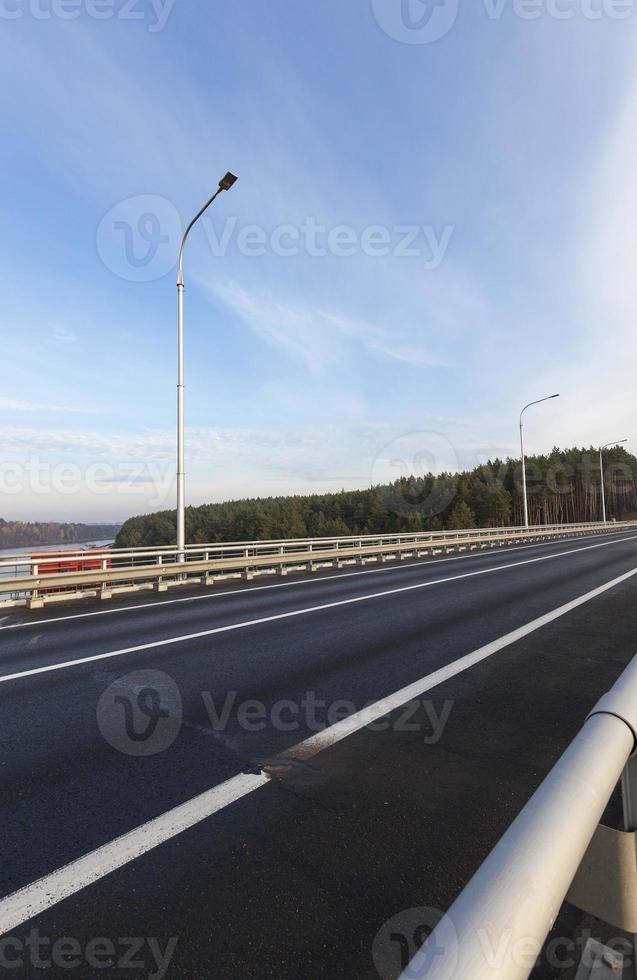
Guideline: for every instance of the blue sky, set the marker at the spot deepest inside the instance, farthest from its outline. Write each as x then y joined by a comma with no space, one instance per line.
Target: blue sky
460,215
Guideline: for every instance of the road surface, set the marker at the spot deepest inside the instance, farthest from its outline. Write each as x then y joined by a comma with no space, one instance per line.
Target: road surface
262,780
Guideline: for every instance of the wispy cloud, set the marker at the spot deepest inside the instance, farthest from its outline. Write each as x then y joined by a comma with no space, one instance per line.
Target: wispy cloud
342,341
601,403
317,337
408,355
124,474
64,335
311,453
18,405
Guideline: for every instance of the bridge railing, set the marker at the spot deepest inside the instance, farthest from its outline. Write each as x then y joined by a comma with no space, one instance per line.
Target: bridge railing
556,849
25,578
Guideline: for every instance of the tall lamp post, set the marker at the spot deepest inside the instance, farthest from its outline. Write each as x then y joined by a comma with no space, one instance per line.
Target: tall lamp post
526,503
601,470
224,185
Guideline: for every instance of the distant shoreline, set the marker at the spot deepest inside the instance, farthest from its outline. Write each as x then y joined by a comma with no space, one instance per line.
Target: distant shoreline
26,550
50,534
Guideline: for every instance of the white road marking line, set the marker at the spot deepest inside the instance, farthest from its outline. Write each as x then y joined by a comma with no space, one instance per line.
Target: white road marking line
340,730
43,894
423,563
230,627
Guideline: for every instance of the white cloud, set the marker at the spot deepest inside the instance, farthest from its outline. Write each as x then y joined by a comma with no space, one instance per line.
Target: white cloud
310,453
64,335
407,355
598,397
80,476
317,337
18,405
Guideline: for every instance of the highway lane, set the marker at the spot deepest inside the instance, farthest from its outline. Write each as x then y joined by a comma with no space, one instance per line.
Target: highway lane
188,598
346,653
31,639
72,791
298,882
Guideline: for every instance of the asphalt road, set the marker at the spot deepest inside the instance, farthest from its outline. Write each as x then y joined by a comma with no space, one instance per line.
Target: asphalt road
308,833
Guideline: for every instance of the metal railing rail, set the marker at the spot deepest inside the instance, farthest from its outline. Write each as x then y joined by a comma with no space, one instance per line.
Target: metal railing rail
21,576
498,925
221,549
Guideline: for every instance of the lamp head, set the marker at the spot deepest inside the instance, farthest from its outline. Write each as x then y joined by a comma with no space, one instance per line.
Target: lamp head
226,182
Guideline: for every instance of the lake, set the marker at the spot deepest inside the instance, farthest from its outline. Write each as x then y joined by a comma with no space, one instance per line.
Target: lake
19,568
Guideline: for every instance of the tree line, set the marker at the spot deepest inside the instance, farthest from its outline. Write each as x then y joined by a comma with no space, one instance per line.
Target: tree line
563,487
21,534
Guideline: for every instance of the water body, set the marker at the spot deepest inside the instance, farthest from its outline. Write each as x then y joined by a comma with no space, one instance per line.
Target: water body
40,548
18,568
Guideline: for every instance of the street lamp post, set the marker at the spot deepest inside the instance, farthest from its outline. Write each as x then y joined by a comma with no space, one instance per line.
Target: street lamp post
526,503
224,185
601,471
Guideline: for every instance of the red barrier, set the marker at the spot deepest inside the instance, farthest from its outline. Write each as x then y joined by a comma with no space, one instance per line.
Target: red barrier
92,562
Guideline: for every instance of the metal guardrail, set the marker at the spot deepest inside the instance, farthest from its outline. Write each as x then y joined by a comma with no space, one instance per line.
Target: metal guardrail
24,579
498,925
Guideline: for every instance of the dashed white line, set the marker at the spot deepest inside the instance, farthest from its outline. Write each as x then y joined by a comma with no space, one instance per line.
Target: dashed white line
43,894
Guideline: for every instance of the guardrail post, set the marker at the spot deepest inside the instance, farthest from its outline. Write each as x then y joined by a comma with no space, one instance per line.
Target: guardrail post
160,585
105,591
629,800
629,794
35,600
248,572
